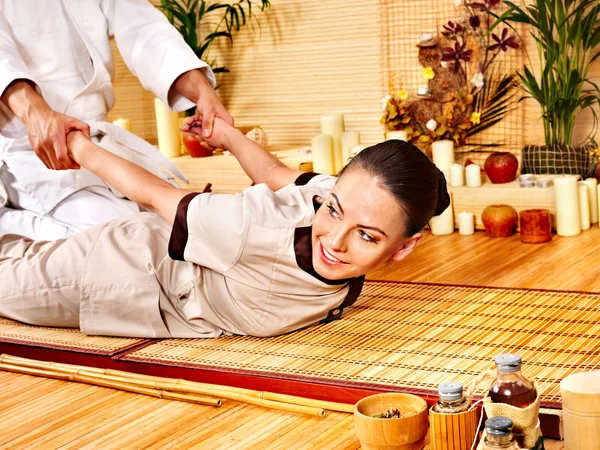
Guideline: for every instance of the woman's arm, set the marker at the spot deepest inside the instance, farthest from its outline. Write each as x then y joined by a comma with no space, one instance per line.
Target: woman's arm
259,165
134,182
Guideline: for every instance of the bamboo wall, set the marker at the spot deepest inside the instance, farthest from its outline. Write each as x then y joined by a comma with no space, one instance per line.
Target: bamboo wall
311,57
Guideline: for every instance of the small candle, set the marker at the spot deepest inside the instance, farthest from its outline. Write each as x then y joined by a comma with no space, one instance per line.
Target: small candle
444,223
349,140
457,175
584,206
535,225
473,172
567,205
333,125
443,154
356,149
592,185
167,127
322,154
400,135
466,223
123,123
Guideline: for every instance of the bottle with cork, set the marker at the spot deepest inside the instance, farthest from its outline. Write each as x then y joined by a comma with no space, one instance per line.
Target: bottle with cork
451,399
510,386
498,435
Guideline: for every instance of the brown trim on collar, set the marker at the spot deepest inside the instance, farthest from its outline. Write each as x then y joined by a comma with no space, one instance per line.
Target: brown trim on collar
303,179
180,232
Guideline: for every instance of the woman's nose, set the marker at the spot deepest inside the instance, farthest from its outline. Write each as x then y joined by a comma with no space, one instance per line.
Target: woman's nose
338,240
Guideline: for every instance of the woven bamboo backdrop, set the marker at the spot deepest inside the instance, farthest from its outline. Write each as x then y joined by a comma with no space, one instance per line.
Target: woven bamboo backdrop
313,57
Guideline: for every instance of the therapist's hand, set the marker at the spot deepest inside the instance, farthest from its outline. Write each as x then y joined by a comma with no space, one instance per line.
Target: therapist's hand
220,136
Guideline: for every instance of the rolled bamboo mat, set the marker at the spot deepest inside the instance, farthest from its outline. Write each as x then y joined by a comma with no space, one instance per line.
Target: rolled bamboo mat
411,337
63,339
169,388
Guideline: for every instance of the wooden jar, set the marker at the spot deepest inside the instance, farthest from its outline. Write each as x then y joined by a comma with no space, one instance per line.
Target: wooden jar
453,431
536,226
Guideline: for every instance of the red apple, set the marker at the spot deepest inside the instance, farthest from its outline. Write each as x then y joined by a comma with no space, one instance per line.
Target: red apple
501,167
500,220
194,146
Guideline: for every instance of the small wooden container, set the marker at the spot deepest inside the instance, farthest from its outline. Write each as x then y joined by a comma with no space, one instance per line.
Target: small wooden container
453,431
405,433
536,226
581,410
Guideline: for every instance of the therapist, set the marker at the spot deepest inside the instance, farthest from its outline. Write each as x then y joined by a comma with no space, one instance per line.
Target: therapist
56,71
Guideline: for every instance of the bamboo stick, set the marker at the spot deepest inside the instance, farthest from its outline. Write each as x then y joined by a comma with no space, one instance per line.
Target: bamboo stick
97,381
228,392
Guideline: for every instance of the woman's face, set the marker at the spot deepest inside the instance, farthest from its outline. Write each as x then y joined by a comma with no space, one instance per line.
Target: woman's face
358,227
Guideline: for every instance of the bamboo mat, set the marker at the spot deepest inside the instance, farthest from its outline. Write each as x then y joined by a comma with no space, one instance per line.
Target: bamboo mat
408,336
70,339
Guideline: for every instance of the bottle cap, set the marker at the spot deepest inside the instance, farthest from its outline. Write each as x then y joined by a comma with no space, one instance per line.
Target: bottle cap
450,391
498,426
509,362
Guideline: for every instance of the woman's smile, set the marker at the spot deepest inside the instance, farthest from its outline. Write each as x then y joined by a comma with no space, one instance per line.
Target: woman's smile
328,257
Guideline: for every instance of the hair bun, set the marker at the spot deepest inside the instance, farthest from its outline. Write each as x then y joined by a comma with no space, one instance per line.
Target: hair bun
443,200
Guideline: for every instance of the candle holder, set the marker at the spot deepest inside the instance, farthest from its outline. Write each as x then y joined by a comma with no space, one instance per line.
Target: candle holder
536,226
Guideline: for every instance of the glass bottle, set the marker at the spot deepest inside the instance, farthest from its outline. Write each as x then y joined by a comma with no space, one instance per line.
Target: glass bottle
498,434
510,386
451,399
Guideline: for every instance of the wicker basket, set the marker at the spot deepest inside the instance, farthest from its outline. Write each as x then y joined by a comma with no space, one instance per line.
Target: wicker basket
558,160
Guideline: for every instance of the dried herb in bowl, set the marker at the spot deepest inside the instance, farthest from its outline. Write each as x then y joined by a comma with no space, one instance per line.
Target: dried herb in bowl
391,413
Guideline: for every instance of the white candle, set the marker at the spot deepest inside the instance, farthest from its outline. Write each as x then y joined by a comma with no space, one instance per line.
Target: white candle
567,205
167,127
356,149
584,206
443,154
322,154
457,175
444,223
473,172
349,140
400,135
123,123
592,185
333,125
466,223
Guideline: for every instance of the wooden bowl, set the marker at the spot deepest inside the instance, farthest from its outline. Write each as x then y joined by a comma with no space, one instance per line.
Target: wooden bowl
405,433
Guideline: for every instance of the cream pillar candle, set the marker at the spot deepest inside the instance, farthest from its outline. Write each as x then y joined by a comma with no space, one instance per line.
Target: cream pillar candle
567,205
167,127
123,123
457,175
466,223
322,154
333,125
473,172
592,185
444,223
584,206
400,135
349,140
443,154
356,149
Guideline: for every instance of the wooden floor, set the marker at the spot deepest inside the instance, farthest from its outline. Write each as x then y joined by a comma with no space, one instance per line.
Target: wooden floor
48,414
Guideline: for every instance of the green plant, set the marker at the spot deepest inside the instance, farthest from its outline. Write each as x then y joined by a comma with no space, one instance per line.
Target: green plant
565,32
223,19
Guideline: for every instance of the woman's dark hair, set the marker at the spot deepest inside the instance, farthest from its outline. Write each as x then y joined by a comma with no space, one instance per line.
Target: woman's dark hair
409,175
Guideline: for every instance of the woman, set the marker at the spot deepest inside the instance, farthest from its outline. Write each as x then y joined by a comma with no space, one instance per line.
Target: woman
286,253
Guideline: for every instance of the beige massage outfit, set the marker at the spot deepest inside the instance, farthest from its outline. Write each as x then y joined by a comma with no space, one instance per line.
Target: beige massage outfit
238,264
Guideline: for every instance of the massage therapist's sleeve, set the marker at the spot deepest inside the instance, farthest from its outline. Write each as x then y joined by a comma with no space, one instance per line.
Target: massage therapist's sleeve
209,230
152,48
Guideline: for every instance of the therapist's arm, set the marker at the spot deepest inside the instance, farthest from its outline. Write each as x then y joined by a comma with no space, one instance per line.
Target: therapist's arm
136,183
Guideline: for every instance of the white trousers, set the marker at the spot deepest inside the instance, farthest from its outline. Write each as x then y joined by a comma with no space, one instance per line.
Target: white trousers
83,209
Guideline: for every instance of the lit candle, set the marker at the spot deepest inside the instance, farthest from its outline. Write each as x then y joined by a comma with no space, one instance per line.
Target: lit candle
356,149
400,135
322,154
567,205
584,206
444,223
333,125
123,123
473,172
443,154
457,175
349,140
592,185
466,223
167,127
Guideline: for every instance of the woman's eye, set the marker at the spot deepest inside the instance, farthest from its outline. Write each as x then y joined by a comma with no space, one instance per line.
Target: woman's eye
333,212
366,236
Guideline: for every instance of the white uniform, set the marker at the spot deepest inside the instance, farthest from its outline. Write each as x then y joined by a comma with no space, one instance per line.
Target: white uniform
240,264
63,47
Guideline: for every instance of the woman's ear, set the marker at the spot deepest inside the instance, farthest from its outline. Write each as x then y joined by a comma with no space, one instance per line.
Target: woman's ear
407,247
